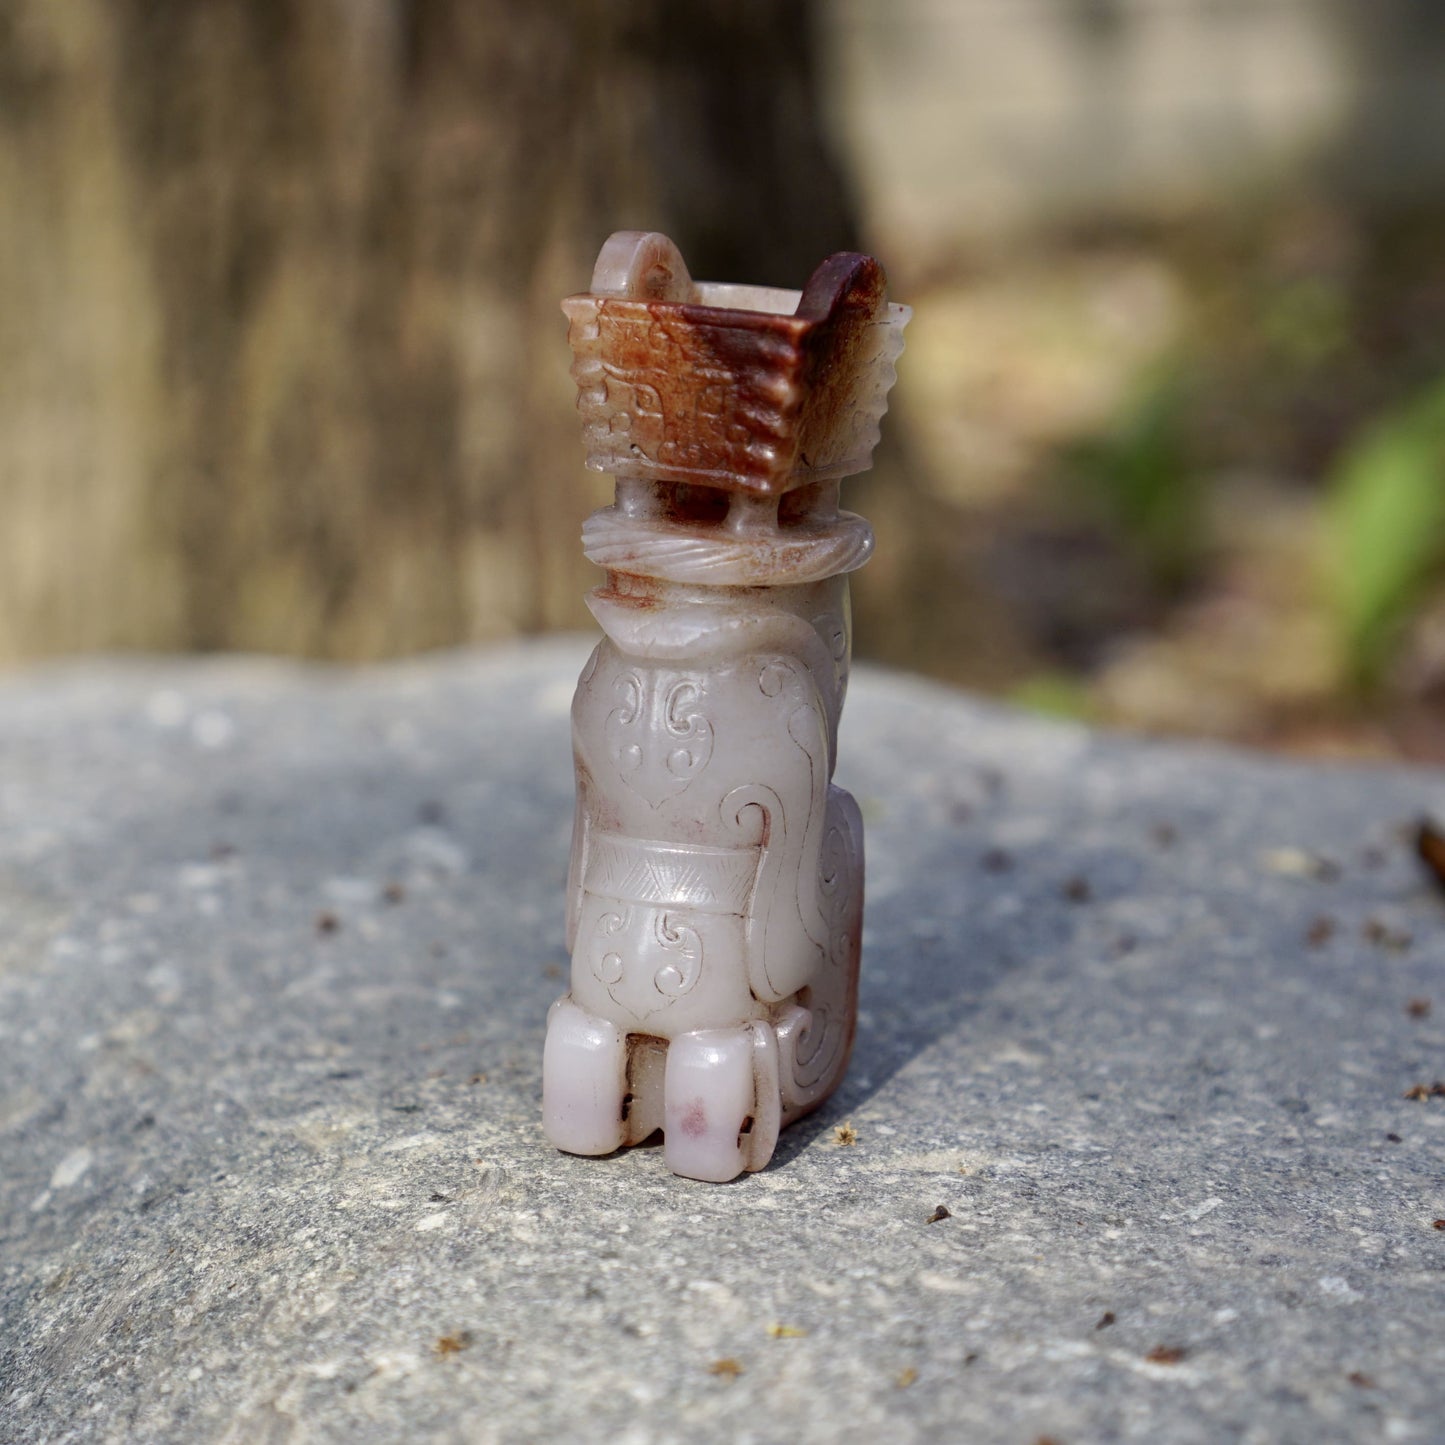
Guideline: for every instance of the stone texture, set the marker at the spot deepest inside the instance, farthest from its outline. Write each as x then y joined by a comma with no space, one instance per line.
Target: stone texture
276,946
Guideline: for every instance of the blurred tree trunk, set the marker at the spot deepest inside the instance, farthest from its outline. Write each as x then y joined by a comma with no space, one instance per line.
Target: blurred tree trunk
281,365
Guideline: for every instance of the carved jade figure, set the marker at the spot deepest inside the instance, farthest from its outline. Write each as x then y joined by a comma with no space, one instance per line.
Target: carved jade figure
715,901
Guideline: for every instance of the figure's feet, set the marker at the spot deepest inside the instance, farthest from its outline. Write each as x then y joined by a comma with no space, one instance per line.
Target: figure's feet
584,1080
721,1102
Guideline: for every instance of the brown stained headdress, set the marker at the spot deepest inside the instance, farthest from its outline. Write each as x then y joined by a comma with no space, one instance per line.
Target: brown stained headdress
748,389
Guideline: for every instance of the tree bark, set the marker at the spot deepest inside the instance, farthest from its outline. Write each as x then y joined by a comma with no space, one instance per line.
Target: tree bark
281,365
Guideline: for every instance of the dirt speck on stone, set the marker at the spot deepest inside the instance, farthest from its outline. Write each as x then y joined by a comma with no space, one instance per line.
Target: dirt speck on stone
1165,1355
1379,933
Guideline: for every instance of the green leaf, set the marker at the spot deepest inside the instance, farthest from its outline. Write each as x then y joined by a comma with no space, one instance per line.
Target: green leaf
1387,525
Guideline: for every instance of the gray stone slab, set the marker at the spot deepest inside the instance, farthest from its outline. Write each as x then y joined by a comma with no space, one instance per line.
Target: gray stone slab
276,946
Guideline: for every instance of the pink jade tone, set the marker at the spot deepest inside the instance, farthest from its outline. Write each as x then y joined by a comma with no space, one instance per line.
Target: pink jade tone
715,901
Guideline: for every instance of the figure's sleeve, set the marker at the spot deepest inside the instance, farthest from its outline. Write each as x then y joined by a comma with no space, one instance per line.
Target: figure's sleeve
786,930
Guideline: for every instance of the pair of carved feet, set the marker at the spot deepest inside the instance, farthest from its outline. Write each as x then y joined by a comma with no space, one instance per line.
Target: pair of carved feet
714,1093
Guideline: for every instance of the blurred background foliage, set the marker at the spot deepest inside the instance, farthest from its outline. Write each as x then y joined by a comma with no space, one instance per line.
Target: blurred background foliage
281,365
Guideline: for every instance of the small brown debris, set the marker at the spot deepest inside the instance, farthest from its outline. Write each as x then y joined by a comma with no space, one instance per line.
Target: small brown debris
1165,1355
997,860
1418,1091
727,1368
786,1332
844,1134
327,922
1394,1138
1077,890
1105,1320
1418,1008
453,1344
905,1377
1437,1224
1430,845
477,1079
553,970
394,893
942,1212
1320,931
1379,933
1360,1380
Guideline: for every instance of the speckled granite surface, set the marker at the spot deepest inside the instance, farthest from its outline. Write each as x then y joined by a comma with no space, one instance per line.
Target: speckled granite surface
275,951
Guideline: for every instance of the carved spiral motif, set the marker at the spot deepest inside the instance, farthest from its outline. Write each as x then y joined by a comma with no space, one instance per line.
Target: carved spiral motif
678,942
685,722
658,735
815,1048
607,966
675,979
773,677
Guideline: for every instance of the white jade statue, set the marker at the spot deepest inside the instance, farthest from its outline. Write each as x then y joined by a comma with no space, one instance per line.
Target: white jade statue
715,901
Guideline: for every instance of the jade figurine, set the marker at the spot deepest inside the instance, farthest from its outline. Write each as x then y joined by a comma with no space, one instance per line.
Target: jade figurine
715,893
